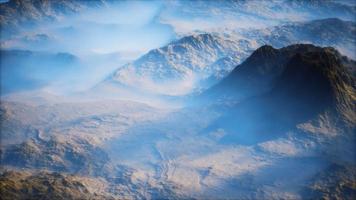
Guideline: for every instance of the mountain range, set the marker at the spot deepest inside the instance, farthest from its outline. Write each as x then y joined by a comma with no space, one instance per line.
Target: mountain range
200,61
17,15
193,62
228,99
190,64
24,70
301,96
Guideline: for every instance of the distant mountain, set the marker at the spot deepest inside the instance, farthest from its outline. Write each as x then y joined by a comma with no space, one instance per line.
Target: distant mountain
22,69
186,60
343,9
200,61
18,14
281,88
324,32
255,13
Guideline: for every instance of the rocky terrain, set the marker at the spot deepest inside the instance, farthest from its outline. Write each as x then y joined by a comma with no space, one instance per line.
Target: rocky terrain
72,147
217,99
121,149
44,185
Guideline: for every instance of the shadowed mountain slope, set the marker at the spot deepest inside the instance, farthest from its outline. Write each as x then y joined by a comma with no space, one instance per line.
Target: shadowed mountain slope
278,89
259,72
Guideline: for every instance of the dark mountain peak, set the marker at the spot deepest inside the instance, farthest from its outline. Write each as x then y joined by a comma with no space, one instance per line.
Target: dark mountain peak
268,61
325,61
318,81
307,74
303,84
300,48
263,56
335,21
296,69
265,49
267,52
